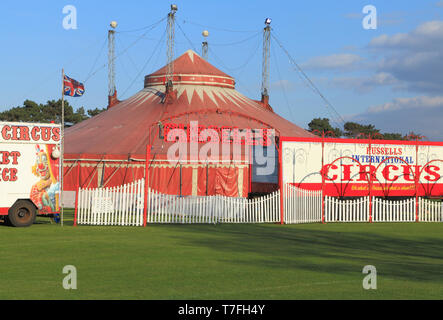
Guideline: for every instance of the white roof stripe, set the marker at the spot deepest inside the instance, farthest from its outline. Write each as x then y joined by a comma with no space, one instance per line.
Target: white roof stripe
192,74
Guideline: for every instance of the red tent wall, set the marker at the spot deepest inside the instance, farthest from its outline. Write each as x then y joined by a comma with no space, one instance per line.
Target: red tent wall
222,179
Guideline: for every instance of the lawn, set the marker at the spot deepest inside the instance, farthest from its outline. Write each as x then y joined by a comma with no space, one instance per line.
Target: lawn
222,261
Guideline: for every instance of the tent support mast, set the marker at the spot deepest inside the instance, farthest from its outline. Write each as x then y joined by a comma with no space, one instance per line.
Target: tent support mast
170,52
266,58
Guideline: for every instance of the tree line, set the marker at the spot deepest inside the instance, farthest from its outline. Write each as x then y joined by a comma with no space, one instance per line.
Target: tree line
50,111
357,131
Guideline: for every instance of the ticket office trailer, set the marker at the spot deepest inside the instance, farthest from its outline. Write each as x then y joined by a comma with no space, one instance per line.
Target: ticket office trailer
29,171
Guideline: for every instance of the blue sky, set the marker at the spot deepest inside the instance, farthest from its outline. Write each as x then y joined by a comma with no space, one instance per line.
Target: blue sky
391,77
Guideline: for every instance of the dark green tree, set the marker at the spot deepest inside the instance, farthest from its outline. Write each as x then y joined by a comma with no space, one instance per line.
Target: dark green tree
393,136
96,111
412,136
359,131
45,113
323,125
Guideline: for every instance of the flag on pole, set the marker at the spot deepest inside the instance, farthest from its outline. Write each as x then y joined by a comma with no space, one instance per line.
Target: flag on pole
72,87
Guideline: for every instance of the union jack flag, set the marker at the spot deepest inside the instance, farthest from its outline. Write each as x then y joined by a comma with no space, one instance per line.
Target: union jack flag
72,87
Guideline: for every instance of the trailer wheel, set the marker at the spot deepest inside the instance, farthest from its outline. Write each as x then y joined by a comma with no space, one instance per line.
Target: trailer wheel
22,214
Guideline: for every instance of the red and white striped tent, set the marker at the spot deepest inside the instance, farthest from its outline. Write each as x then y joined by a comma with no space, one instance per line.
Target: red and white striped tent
110,148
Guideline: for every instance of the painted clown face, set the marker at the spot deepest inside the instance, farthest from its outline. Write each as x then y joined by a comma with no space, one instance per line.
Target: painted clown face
42,166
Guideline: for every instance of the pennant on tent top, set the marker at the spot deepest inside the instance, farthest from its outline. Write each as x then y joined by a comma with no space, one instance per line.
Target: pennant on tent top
72,87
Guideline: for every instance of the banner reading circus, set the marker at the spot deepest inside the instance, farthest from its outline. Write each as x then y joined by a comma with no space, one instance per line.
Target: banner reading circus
353,167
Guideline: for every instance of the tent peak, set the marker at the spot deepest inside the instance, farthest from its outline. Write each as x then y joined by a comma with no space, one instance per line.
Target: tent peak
191,69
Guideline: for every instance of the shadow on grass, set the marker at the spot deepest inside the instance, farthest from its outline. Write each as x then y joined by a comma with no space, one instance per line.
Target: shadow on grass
347,250
45,220
3,224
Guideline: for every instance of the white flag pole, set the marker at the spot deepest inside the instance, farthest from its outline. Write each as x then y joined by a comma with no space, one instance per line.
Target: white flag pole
62,144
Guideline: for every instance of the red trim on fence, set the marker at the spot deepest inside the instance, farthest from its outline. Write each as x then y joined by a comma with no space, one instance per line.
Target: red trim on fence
416,178
76,194
322,179
250,169
280,179
145,209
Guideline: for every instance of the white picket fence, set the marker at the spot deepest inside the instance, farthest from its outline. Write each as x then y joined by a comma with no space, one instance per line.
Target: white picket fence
393,210
430,211
124,206
301,206
346,210
382,210
163,208
121,205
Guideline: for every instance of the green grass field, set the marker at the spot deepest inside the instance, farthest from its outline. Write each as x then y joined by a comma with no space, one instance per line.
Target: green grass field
222,261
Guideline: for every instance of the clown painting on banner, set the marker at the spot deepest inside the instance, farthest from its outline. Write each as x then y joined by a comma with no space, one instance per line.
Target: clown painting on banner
44,191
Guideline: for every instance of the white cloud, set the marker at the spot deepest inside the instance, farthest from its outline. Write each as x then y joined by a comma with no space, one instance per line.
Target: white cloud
420,71
420,114
364,84
425,37
411,61
414,59
409,103
340,61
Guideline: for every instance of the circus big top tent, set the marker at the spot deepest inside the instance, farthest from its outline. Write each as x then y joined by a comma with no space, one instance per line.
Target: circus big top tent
110,148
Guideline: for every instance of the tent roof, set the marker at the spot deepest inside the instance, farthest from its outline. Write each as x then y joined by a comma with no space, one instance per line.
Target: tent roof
202,93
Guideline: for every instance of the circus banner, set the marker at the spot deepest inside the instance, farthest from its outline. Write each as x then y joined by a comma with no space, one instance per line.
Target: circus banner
351,167
30,165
